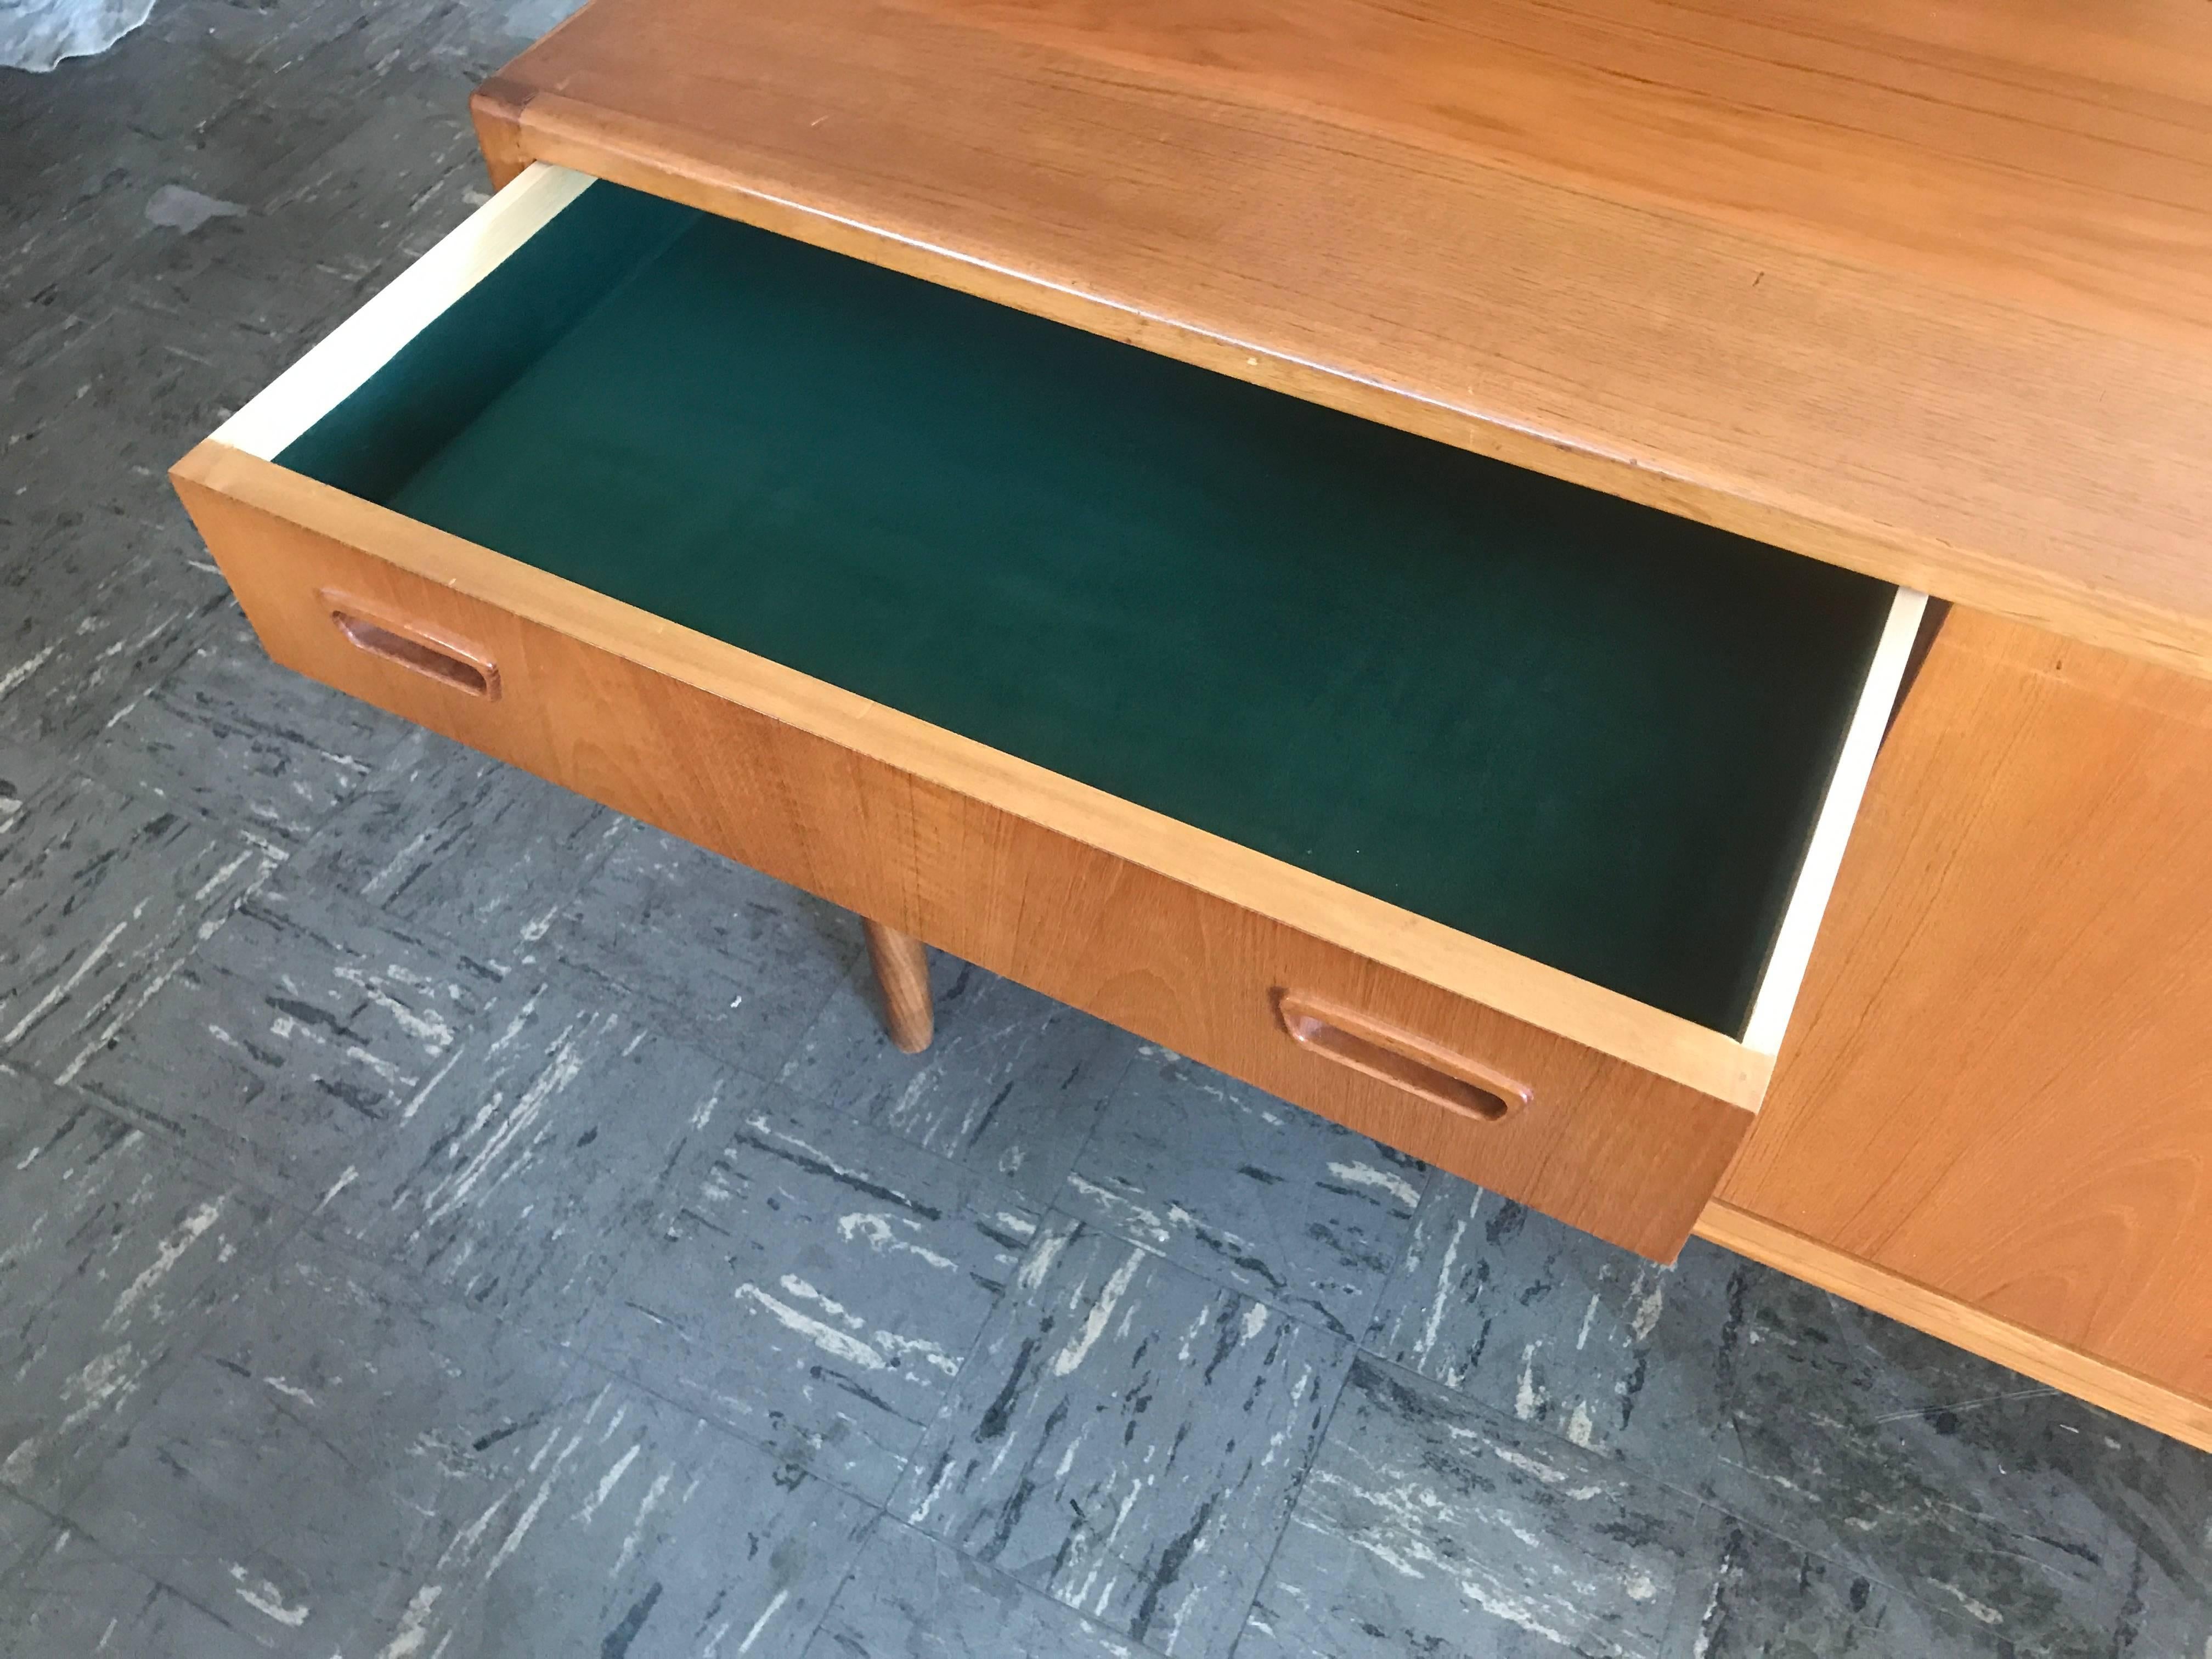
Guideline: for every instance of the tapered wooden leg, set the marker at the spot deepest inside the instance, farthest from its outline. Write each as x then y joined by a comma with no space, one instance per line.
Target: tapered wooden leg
902,971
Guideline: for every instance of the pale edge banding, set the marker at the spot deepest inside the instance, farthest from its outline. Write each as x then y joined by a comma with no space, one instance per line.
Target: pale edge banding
415,298
1832,833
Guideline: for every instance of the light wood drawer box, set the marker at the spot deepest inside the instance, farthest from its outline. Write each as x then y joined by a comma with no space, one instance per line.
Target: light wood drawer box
1489,815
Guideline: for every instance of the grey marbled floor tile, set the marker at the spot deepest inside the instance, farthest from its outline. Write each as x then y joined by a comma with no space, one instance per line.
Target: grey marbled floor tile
351,1468
331,162
127,377
24,1527
726,958
1429,1524
310,1469
298,1040
911,1597
1247,1190
1771,1601
76,1601
351,1465
816,1283
445,838
209,122
99,523
75,650
2056,1526
1127,1437
29,1105
632,1529
1014,1082
507,1175
1535,1318
20,774
112,1248
232,736
102,897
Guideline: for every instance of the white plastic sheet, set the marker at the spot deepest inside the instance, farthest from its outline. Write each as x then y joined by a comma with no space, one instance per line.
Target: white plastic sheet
37,34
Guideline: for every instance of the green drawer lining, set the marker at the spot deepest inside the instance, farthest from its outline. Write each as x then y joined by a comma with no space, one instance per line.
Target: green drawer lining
1578,727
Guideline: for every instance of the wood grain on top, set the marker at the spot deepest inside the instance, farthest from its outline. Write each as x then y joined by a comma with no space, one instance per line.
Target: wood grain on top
1922,289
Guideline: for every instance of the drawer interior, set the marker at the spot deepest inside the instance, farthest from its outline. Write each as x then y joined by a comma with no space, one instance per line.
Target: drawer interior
1583,730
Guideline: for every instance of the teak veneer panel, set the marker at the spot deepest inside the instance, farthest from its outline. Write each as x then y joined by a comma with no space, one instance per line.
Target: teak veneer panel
729,751
1998,1084
1925,290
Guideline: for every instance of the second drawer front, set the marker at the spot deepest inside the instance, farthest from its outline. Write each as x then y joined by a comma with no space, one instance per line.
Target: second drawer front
1601,1143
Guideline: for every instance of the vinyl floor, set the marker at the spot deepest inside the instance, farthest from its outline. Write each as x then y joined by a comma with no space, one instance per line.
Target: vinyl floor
440,1218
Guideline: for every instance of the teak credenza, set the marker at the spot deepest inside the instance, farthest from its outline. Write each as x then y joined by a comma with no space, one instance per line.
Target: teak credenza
1385,550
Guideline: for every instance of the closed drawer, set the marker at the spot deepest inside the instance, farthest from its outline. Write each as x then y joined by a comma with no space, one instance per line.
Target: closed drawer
1489,815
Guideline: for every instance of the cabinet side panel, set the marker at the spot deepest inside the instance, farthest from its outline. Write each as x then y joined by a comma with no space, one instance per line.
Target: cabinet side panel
1999,1082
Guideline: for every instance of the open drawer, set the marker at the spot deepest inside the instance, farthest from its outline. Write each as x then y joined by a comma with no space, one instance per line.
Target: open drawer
1486,814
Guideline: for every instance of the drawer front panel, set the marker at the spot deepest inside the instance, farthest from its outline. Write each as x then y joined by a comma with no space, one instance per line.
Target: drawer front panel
1591,1138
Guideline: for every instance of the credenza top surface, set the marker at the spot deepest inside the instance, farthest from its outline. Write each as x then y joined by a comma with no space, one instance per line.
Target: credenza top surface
1922,289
